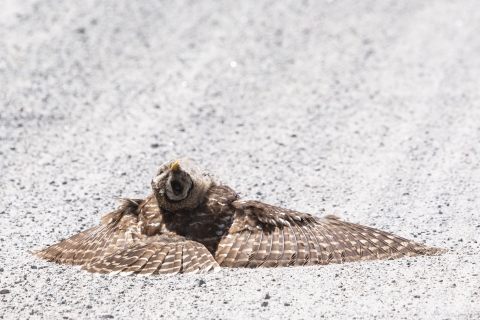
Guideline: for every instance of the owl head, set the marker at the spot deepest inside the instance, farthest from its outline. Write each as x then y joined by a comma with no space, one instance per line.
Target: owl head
180,184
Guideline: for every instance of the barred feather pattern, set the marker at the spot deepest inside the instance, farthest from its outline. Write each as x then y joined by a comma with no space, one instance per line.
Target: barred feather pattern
140,238
119,246
160,257
267,236
118,231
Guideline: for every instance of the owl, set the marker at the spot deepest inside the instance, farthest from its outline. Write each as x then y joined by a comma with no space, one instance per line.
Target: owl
192,223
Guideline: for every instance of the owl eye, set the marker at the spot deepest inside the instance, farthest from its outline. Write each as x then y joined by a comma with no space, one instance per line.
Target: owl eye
176,187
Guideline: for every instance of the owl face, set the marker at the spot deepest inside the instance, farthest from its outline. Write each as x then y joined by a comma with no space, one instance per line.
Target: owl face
179,184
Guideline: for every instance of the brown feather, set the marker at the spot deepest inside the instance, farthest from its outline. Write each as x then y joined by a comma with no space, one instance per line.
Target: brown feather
268,250
273,253
243,255
288,251
232,255
192,252
156,260
314,253
258,257
302,245
225,246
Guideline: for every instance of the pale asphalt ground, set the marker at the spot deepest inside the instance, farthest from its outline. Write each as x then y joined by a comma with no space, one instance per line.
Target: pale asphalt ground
369,110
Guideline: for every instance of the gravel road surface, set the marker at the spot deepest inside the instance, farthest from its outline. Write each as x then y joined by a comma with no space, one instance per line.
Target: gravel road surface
369,110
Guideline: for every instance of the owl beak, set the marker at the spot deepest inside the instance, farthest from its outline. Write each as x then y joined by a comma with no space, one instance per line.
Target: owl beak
175,166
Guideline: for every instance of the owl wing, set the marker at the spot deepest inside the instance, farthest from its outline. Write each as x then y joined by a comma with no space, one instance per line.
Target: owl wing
267,236
168,256
117,232
118,246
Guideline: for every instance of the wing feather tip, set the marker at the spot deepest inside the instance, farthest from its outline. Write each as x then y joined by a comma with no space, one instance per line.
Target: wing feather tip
431,251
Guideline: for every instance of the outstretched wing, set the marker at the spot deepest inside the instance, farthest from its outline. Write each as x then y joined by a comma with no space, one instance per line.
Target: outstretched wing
118,231
118,245
268,236
159,257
